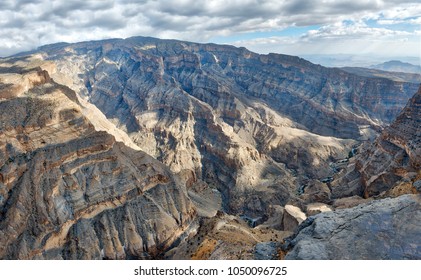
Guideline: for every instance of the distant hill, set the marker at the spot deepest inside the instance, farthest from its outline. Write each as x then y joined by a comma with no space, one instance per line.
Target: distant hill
394,76
397,66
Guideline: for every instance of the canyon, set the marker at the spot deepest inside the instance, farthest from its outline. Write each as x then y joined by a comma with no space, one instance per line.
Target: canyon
160,149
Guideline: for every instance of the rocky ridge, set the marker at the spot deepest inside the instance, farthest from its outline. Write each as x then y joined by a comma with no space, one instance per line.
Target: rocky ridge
68,191
253,127
255,146
386,228
391,165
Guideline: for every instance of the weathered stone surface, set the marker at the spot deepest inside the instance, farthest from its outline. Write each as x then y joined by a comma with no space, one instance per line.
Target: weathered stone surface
382,229
391,165
238,120
316,208
203,109
71,192
266,251
349,202
275,217
293,216
316,191
417,185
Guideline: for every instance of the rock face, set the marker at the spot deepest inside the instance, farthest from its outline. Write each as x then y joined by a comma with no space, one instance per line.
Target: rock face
147,148
242,123
383,229
391,166
68,191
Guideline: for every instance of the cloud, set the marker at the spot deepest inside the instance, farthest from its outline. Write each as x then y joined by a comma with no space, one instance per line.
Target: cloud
26,24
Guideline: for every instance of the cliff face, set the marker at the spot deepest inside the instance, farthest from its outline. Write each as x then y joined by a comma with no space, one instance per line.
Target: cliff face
239,122
111,149
392,164
68,191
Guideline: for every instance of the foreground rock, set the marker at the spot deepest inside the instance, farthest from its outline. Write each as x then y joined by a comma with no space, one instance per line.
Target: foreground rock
383,229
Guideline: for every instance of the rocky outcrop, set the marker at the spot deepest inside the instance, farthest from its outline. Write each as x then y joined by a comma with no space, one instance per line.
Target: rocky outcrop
390,166
231,134
266,251
382,229
243,123
68,191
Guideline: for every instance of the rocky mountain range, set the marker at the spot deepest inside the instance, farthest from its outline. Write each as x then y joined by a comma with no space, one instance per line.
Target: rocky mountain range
146,148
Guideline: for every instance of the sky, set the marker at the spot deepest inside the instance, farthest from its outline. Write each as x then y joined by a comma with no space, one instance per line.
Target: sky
387,28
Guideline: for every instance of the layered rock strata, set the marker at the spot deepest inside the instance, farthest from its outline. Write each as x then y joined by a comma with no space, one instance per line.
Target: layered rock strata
68,191
391,166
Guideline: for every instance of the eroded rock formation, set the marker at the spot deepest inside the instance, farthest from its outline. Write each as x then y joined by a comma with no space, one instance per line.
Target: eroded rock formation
68,191
391,165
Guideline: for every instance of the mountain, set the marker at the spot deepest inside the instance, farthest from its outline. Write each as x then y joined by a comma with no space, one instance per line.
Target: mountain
391,165
254,127
147,148
394,76
398,66
382,229
68,191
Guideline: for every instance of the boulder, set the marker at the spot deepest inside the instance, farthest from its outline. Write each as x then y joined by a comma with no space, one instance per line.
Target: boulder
293,216
383,229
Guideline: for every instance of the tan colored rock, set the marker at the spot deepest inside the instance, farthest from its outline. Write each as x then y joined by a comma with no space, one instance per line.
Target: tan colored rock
316,208
387,166
349,202
275,219
71,192
293,216
316,191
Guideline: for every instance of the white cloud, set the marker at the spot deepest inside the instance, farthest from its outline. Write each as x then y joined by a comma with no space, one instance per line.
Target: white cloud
25,24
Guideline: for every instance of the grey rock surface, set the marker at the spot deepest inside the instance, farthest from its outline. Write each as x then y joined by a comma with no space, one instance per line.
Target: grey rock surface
382,229
266,251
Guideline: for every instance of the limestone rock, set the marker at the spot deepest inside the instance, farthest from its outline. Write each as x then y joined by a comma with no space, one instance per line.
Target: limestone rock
293,216
316,208
316,191
390,166
71,192
275,217
243,123
349,202
382,229
417,185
